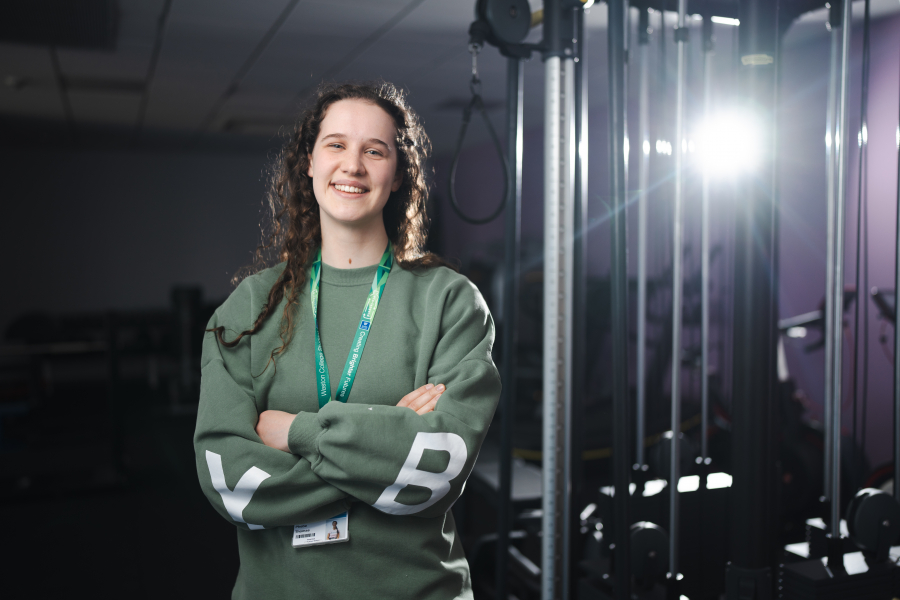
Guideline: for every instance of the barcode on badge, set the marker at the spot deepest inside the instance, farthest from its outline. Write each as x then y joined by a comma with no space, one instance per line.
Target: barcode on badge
306,535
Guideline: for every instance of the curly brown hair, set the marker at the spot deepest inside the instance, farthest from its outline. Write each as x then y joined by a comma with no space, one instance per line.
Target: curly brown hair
291,229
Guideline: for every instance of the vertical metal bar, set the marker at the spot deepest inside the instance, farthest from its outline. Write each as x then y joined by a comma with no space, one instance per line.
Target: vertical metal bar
830,154
626,57
755,313
897,332
558,268
704,247
566,279
512,243
677,226
643,184
619,294
838,290
579,300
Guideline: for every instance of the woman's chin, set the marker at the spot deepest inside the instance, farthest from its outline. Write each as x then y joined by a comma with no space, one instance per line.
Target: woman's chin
354,219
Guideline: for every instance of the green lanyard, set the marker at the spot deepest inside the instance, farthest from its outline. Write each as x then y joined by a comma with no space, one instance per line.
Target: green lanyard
323,382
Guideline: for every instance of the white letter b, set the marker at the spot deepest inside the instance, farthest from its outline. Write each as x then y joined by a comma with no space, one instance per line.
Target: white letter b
438,483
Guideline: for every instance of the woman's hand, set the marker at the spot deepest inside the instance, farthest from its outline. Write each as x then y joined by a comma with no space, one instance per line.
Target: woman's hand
272,428
424,399
273,425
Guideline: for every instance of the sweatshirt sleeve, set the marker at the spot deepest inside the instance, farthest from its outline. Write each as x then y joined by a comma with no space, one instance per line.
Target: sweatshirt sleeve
233,465
398,461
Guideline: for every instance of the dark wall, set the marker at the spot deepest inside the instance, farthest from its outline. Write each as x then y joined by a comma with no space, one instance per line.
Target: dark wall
91,230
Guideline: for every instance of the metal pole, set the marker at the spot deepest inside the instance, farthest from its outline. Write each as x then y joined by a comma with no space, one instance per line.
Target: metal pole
755,338
678,148
838,290
512,241
704,247
559,175
618,186
579,300
626,56
830,147
897,338
643,184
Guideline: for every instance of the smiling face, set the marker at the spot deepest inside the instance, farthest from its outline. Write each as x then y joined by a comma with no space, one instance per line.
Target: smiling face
353,164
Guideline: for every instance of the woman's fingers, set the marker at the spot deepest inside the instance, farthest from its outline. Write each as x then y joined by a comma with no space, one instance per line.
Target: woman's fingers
428,406
415,394
429,396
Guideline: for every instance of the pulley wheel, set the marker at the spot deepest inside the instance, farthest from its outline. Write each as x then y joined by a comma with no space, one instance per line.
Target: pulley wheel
649,551
510,20
873,517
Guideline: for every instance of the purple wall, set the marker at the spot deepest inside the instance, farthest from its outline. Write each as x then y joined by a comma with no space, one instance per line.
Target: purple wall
803,217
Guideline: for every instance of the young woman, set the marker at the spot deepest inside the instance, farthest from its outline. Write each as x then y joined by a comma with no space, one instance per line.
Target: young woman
355,376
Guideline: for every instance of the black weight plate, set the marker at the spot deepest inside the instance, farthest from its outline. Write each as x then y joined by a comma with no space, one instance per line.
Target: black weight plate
649,550
873,515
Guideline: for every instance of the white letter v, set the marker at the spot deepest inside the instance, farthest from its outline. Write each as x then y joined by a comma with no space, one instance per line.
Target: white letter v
235,501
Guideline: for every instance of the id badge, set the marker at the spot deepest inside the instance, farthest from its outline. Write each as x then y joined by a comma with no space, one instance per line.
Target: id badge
329,531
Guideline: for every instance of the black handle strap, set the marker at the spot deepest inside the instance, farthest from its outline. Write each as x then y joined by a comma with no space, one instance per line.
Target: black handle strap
477,103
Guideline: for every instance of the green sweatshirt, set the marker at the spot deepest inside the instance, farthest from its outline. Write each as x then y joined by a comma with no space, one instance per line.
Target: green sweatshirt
396,472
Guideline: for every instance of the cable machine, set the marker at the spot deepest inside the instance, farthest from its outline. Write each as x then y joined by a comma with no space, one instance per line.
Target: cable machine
639,550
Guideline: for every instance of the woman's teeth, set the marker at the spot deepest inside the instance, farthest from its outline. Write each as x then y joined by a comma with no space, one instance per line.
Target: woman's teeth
348,189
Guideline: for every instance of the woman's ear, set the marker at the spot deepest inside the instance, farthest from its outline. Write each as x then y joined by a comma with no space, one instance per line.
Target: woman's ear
398,180
309,168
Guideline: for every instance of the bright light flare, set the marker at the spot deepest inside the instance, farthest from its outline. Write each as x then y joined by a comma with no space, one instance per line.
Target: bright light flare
729,143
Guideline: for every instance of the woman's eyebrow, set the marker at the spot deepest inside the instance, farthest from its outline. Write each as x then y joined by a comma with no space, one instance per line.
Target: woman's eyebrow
379,142
341,136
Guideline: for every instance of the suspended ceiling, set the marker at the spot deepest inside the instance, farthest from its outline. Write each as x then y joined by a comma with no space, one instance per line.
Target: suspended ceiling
231,74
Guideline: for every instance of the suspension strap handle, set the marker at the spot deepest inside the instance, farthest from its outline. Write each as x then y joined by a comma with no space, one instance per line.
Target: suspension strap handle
477,103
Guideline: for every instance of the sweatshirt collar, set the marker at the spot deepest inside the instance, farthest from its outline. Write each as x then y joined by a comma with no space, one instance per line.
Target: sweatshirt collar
348,277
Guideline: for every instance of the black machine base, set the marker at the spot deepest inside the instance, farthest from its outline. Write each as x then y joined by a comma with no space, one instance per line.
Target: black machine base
813,580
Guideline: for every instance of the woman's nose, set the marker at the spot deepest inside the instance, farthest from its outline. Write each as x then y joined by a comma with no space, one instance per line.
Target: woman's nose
353,163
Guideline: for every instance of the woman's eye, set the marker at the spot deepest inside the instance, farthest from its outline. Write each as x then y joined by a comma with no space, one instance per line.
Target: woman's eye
373,152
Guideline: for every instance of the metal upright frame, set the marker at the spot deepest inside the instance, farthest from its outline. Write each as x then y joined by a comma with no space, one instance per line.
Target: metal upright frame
579,300
837,292
678,148
512,243
708,48
753,551
559,207
896,449
643,185
834,19
618,186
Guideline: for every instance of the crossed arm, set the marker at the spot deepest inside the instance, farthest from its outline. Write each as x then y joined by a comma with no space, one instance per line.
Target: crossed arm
274,425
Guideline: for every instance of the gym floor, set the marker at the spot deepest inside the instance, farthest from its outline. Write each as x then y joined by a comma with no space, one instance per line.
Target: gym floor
151,535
